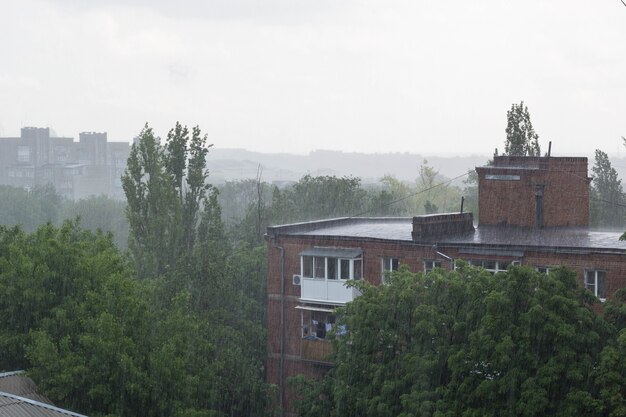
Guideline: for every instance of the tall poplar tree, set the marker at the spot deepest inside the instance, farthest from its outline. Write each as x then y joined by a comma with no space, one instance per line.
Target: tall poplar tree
521,139
165,187
607,193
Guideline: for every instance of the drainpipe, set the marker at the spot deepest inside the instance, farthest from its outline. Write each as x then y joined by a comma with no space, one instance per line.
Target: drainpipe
443,255
281,368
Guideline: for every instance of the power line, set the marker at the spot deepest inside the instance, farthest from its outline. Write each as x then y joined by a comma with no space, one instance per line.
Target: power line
413,194
444,183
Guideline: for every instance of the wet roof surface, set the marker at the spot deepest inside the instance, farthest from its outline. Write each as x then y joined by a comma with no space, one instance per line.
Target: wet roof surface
399,229
17,383
15,406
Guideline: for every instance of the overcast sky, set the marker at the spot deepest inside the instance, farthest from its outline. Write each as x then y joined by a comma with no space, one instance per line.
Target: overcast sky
294,76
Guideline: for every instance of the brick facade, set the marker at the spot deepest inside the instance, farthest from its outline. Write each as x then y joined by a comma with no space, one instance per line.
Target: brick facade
513,187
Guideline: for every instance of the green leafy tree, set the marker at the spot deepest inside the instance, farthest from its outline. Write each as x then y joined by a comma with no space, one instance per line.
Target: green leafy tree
327,196
165,188
521,139
391,197
100,213
207,346
29,208
607,194
72,316
470,192
468,343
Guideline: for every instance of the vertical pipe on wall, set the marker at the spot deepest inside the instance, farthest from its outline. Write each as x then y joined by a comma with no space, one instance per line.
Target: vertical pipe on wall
281,371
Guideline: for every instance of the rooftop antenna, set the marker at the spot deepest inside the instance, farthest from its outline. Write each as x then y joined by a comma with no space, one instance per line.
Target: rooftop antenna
549,148
462,201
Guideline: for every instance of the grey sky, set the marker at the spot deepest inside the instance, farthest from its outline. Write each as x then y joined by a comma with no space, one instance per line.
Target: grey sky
287,75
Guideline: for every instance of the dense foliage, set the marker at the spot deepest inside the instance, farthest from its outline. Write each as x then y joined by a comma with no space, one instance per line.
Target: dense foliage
521,139
607,208
29,208
177,329
468,343
40,205
101,342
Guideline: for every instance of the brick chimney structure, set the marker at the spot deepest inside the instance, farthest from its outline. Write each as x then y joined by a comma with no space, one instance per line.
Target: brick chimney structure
534,192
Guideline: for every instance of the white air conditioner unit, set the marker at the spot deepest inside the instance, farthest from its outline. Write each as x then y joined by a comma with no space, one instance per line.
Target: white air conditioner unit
297,279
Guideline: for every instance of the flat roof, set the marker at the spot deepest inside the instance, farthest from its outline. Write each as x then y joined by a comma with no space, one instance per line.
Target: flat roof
399,230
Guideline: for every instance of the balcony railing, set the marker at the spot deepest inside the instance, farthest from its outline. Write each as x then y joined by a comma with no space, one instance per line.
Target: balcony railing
316,350
327,290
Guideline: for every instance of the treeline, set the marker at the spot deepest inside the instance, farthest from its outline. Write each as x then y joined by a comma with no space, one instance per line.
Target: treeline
40,205
249,206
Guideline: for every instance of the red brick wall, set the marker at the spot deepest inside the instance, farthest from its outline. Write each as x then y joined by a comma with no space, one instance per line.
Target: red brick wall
565,192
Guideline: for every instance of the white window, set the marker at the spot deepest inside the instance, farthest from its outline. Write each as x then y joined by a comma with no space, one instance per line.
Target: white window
543,269
388,264
23,154
595,281
429,265
328,267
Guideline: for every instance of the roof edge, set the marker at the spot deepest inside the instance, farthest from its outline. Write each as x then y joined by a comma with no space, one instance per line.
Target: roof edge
40,404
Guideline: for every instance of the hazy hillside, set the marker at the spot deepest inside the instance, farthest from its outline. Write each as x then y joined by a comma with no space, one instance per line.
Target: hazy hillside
234,164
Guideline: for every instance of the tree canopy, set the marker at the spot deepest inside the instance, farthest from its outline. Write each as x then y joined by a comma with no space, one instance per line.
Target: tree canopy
468,343
607,195
521,139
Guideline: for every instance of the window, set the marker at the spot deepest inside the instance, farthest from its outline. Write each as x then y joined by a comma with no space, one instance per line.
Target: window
358,268
595,281
317,324
23,154
429,265
307,266
344,269
319,267
388,264
492,266
543,269
331,267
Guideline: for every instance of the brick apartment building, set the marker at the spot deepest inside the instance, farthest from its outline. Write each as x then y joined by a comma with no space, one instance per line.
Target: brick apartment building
91,166
533,211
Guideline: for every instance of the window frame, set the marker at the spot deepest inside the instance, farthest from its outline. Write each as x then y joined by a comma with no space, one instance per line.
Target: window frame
499,266
23,153
331,260
594,287
434,263
388,264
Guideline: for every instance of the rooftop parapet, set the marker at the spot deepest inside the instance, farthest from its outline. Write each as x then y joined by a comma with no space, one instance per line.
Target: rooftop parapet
437,225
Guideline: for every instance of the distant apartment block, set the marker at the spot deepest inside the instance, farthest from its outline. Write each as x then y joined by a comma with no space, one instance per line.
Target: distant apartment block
91,166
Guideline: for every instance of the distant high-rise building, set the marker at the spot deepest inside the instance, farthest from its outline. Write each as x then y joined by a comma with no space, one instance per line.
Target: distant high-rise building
91,166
